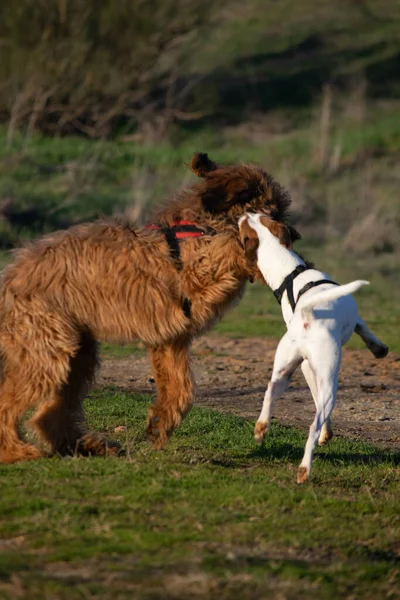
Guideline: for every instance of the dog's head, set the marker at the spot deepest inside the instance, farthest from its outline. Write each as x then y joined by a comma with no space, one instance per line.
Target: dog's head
249,240
250,233
237,189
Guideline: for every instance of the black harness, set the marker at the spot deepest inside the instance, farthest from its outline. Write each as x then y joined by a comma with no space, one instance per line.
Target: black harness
287,286
181,230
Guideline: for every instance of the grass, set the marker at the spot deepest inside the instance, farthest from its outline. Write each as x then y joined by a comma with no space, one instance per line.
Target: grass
53,182
213,514
121,351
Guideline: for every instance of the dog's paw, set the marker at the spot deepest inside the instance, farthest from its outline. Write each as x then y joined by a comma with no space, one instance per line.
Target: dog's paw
378,350
94,444
156,434
325,437
20,453
260,431
302,475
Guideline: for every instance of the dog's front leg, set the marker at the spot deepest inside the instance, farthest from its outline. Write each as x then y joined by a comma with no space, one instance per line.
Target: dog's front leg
175,390
287,359
274,390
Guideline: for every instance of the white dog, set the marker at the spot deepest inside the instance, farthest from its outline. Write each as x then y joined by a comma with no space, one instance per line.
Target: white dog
320,317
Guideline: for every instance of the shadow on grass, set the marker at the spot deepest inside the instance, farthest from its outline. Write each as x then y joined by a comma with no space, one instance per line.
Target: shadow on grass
287,451
312,565
379,457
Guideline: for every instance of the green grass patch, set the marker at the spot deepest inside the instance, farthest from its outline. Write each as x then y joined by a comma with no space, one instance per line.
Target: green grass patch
121,351
53,182
213,508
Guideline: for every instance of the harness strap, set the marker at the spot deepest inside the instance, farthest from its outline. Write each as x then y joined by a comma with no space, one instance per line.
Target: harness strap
187,307
173,244
287,286
312,284
181,230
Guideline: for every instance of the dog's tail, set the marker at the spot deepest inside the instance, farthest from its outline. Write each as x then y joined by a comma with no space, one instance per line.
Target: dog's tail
338,291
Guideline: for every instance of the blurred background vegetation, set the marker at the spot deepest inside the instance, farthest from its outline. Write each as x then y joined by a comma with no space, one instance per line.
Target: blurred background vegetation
102,103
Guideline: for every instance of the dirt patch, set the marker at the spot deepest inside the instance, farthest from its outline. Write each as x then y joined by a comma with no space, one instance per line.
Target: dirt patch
232,376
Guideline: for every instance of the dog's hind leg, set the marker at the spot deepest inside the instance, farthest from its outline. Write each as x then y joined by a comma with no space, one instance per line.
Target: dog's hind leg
83,369
60,418
327,376
326,432
175,390
378,348
287,359
36,347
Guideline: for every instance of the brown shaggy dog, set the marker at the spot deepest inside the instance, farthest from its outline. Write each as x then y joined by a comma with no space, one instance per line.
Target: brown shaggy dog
105,281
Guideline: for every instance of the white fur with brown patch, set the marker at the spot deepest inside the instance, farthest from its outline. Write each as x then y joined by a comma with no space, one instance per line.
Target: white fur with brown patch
323,320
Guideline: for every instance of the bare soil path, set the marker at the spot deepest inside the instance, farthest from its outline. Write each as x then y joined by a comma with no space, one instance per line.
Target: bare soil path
232,376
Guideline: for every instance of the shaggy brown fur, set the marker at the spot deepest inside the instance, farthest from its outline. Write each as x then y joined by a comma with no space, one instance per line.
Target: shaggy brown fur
105,281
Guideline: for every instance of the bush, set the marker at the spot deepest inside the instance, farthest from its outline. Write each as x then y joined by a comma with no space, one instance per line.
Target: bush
106,67
89,66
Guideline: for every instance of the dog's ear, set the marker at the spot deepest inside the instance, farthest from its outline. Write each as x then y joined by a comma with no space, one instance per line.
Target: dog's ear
294,234
279,230
201,165
250,241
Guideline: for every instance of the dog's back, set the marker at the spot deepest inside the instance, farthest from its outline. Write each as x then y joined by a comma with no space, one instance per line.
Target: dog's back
332,308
